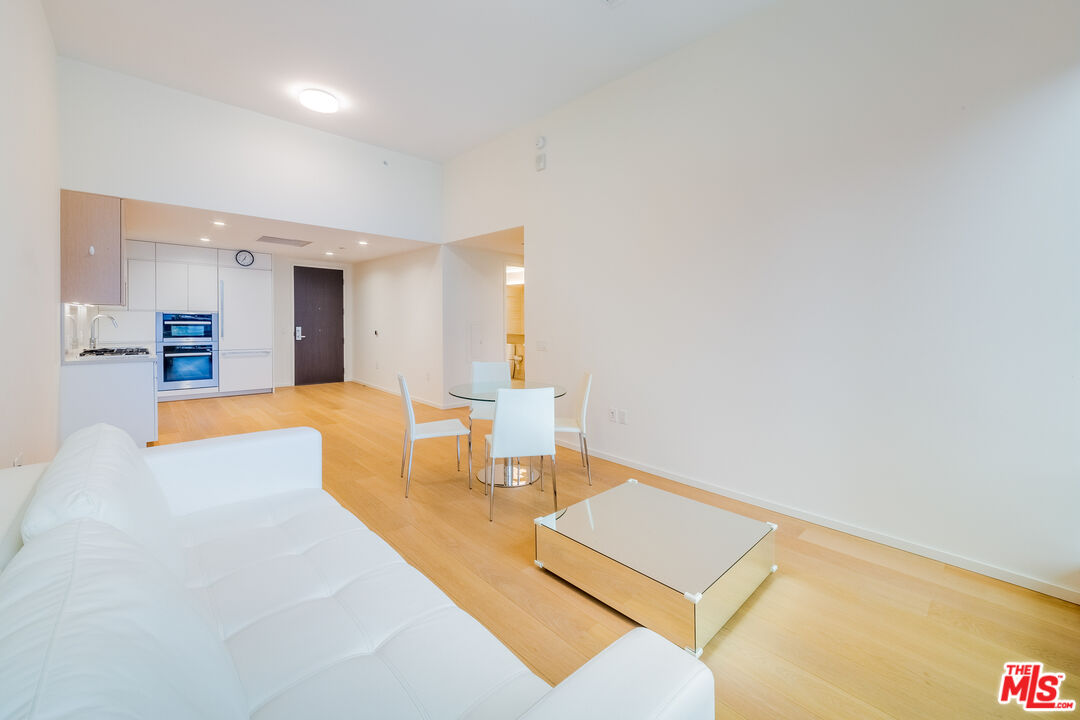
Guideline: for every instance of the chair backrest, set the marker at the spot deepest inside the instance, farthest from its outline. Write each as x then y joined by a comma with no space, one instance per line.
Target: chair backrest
490,372
584,407
524,424
406,403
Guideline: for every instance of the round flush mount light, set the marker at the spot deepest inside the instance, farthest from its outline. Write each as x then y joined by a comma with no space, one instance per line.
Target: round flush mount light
318,100
219,223
328,252
361,242
205,239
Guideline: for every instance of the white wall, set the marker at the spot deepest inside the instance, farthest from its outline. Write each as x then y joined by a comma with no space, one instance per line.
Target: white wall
29,235
474,310
827,260
284,325
127,137
401,297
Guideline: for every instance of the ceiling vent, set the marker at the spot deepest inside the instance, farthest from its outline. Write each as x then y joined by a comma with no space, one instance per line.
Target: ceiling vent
283,241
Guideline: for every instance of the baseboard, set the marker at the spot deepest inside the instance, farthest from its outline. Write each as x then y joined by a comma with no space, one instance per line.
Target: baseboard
396,391
948,558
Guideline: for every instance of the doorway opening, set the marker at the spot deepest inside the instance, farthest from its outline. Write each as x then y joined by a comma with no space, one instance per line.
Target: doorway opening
319,319
515,320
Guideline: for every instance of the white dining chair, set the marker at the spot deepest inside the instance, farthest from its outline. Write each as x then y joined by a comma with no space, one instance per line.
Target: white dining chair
577,425
486,372
424,431
524,426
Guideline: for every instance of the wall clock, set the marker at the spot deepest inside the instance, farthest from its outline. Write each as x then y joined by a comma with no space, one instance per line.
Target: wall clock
244,257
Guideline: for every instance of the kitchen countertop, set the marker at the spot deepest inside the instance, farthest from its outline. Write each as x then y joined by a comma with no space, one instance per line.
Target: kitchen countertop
72,358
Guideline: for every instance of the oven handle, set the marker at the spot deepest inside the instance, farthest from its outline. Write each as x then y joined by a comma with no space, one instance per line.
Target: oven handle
185,322
195,354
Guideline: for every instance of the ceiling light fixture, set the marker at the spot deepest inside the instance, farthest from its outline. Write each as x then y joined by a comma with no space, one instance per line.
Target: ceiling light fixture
361,242
318,100
329,253
219,223
205,239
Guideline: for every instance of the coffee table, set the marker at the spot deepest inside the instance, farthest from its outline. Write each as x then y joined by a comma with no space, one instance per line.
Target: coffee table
679,567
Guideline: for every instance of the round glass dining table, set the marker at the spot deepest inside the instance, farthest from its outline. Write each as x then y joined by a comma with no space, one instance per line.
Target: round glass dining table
512,475
486,391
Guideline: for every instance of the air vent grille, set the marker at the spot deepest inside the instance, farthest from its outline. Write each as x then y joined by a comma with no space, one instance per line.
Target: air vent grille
283,241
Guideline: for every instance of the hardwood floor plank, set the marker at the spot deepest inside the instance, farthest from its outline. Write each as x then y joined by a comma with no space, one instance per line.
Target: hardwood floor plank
847,628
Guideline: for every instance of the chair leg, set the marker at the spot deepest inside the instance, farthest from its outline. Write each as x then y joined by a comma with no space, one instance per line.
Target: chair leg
541,473
554,483
491,492
588,462
404,442
457,446
408,478
581,448
470,470
487,466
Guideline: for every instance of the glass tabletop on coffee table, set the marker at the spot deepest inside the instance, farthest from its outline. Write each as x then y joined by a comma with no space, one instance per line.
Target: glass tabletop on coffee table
521,473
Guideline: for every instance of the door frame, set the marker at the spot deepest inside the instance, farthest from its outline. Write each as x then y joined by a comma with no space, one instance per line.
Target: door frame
284,362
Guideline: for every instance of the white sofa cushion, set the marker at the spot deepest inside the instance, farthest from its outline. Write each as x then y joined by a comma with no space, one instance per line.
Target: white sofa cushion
92,626
324,619
99,474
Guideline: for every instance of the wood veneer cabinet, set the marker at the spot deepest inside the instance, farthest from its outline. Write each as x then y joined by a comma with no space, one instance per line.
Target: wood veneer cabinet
91,248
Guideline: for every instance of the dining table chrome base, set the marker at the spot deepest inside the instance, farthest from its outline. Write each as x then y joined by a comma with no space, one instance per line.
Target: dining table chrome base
520,474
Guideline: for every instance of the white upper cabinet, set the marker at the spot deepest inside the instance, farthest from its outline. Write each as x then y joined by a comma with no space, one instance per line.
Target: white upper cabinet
142,285
247,314
172,286
202,288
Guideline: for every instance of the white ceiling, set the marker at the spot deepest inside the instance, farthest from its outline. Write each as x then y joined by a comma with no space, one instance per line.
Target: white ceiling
428,77
156,222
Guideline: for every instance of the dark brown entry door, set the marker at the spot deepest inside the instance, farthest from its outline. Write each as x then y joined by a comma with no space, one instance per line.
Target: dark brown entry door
319,332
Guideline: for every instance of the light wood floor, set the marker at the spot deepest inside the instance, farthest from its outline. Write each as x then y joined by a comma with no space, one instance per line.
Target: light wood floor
846,628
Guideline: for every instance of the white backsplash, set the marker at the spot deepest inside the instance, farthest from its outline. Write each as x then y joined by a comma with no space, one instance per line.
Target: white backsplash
134,328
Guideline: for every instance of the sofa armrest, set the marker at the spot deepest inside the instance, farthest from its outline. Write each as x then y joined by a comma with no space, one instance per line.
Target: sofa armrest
202,474
640,675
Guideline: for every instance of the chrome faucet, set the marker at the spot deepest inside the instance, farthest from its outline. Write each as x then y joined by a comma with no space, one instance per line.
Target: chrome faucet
93,328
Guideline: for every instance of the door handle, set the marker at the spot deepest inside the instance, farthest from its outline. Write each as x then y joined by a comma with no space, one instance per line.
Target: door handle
221,308
299,335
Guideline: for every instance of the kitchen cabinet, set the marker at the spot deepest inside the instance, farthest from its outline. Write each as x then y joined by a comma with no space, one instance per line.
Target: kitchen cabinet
91,248
246,320
172,286
246,370
202,288
142,285
112,390
184,287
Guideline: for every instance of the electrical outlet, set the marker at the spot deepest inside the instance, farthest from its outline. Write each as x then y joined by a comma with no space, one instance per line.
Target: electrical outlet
541,345
611,414
622,417
376,364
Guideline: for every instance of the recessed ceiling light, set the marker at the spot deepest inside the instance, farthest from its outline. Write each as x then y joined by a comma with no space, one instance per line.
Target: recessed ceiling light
318,100
219,223
361,242
329,253
205,239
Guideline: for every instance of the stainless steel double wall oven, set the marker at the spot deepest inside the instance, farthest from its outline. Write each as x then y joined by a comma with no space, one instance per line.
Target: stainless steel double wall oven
187,348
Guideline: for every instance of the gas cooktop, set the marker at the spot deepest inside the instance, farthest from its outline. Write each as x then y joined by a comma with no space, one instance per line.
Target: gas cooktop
115,351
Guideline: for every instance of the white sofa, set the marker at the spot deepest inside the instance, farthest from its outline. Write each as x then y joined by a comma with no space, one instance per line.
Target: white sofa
216,579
